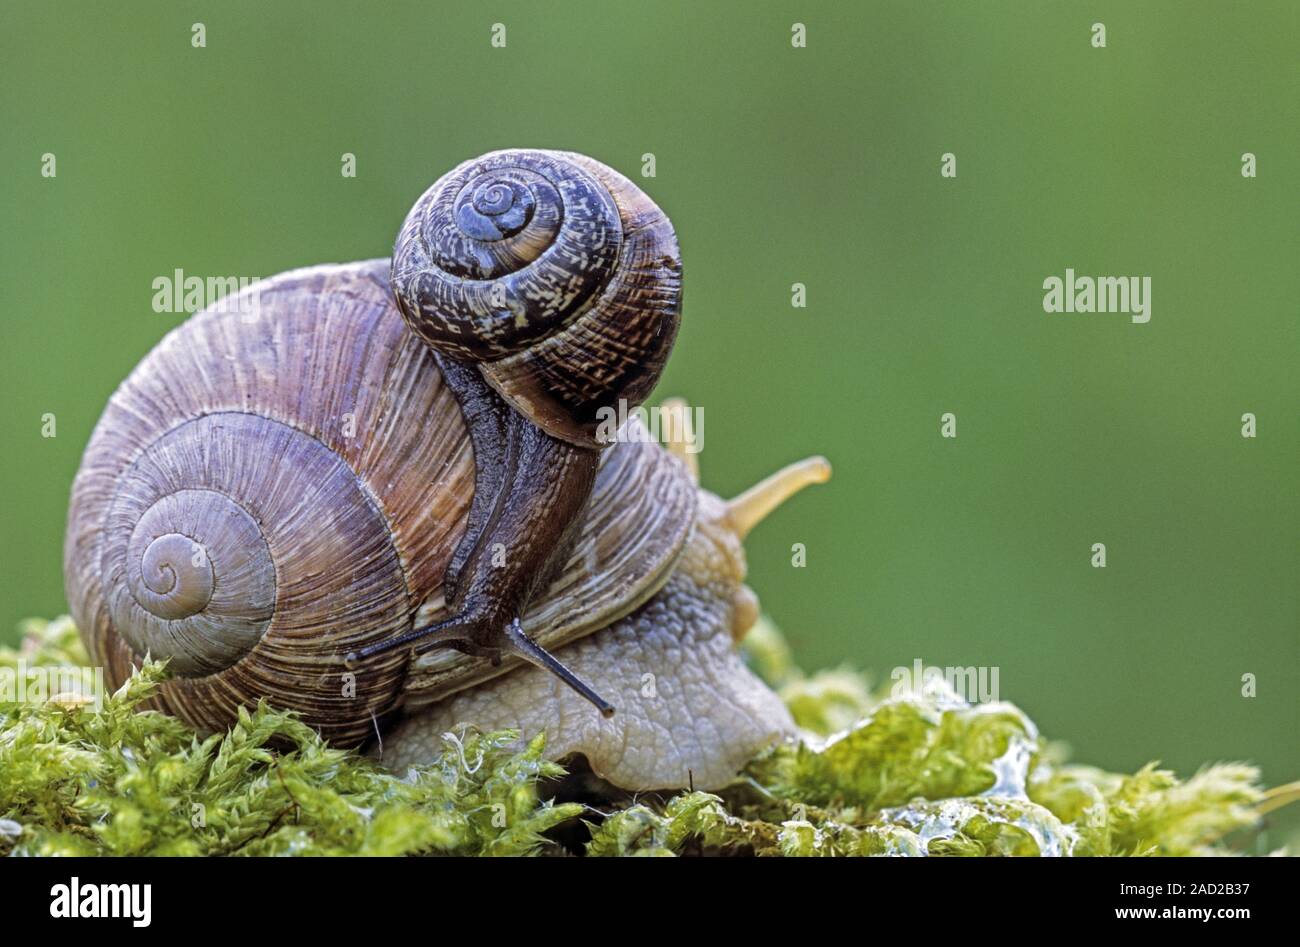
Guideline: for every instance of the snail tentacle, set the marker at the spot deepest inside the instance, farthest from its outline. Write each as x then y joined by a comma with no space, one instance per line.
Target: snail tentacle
455,633
524,647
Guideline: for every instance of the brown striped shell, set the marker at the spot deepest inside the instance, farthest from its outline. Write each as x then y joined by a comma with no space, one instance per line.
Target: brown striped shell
283,479
553,272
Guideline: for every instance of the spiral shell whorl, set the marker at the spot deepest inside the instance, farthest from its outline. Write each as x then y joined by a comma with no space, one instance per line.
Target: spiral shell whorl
255,503
495,209
503,251
553,272
216,517
200,579
172,578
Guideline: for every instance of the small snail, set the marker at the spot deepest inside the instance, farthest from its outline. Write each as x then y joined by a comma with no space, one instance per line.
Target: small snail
386,490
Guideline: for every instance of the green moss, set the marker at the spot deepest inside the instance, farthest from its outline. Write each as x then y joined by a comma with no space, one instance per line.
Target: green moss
123,781
874,776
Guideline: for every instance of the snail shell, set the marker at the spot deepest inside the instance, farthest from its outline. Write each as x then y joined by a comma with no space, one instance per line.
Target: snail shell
263,496
554,273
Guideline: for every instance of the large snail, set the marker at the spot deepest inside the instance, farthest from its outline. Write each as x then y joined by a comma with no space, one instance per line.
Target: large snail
372,490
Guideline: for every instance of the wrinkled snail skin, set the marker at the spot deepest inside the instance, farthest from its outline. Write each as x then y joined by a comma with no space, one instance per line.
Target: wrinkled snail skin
690,713
549,286
529,493
514,460
632,533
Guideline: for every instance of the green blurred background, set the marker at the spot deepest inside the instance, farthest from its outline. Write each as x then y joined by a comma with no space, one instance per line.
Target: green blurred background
777,165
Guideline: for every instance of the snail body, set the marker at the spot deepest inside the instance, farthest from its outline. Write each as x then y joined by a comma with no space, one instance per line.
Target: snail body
548,287
332,507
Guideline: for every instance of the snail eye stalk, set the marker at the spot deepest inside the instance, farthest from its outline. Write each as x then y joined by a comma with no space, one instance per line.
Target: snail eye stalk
524,647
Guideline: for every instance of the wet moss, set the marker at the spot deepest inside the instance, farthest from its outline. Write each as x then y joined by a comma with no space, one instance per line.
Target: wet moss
873,776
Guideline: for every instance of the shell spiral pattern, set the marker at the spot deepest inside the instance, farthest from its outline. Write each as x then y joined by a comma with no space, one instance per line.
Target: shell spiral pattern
551,270
254,504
